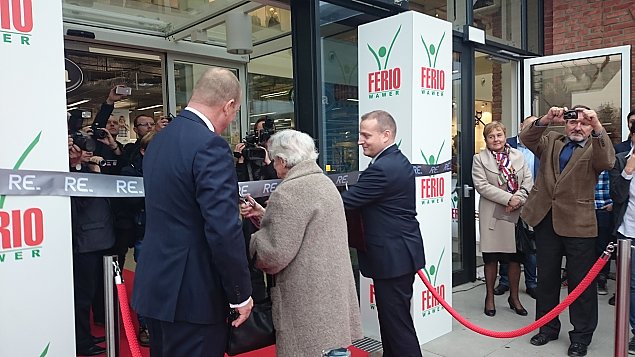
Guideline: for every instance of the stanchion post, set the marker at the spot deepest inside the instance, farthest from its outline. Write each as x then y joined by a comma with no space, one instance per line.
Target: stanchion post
111,308
623,297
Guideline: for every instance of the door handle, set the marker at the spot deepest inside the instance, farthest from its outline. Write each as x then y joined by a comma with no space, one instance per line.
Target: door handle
466,191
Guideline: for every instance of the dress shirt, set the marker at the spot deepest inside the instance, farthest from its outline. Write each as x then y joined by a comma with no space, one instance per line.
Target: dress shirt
203,118
372,161
627,228
529,157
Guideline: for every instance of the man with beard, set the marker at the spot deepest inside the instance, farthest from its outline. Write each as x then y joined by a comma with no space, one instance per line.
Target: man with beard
561,208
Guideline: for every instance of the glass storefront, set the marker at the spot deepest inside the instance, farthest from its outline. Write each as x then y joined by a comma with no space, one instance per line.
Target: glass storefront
163,80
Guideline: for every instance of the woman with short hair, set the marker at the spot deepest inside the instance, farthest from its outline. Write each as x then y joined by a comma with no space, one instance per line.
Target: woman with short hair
303,242
503,179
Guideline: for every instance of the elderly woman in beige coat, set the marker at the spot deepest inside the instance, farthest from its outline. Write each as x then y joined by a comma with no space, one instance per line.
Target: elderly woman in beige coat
503,179
303,242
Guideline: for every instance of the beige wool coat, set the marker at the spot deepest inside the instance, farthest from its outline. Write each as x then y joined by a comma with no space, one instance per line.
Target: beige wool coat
498,236
303,242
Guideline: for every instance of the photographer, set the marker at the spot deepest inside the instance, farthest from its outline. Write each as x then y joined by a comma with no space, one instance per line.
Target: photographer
105,129
254,164
141,125
92,234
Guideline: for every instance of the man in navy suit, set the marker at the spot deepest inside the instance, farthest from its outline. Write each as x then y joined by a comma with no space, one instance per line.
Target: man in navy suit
530,258
385,197
193,266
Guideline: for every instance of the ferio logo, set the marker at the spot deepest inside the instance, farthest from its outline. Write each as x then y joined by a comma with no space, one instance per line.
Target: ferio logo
430,305
16,21
385,82
432,79
432,187
21,234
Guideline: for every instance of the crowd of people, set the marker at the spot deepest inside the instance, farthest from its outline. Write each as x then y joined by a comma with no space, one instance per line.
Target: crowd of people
197,260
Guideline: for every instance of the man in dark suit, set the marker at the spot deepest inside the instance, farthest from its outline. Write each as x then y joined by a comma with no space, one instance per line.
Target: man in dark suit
193,267
530,258
561,208
385,197
627,144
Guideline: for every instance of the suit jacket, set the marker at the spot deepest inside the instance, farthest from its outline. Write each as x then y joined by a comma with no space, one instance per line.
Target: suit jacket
619,189
513,142
623,146
385,196
193,263
569,195
498,236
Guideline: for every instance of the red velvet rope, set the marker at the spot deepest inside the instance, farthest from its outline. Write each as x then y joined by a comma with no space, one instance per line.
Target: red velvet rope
127,321
588,279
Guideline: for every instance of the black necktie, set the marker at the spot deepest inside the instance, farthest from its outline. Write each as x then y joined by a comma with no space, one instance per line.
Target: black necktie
566,153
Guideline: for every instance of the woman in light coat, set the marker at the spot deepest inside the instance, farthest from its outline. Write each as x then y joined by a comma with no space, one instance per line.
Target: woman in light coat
303,242
503,179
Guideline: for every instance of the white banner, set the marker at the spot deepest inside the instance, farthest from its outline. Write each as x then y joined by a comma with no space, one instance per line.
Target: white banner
405,68
36,308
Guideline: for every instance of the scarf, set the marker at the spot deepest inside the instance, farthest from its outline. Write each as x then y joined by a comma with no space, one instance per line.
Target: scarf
506,173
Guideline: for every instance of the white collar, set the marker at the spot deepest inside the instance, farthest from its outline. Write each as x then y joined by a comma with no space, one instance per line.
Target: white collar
203,118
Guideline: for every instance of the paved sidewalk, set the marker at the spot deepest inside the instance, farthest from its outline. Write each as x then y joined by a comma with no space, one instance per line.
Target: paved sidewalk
468,301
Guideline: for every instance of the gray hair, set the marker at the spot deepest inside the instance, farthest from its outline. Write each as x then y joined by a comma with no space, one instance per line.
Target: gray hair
216,86
292,146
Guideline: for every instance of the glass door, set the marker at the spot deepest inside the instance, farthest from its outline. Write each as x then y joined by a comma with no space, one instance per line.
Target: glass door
184,72
599,79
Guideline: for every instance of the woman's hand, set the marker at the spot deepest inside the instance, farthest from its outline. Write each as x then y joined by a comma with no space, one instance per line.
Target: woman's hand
250,208
514,204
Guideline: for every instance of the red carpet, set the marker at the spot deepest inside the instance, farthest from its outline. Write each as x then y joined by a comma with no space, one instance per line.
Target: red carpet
125,351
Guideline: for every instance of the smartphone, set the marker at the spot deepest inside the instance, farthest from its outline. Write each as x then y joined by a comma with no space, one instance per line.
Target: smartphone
123,90
244,200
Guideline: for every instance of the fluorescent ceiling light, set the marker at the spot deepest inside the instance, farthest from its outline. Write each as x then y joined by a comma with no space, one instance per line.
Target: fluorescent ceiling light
151,107
352,99
78,103
105,51
261,114
72,108
275,94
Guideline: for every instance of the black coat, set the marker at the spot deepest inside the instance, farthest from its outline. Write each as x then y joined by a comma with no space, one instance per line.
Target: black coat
92,224
619,190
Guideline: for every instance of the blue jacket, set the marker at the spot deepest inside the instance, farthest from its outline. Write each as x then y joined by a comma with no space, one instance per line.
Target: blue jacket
193,263
385,196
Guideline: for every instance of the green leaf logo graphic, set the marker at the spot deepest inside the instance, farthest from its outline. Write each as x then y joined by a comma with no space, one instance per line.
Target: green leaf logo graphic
21,160
432,160
433,271
382,52
432,50
46,350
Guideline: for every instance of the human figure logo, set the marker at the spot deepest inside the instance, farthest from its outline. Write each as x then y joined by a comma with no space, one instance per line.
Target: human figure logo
432,187
430,305
432,79
385,82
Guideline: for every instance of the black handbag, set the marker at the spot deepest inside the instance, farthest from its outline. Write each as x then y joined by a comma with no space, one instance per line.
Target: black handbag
525,238
255,333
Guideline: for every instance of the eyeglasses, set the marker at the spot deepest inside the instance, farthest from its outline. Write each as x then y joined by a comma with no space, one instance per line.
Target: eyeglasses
149,125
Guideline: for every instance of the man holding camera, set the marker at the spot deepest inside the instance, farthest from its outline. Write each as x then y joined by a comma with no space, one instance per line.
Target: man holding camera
561,208
254,164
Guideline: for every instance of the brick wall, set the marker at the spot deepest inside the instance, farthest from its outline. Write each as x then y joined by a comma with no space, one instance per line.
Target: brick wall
579,25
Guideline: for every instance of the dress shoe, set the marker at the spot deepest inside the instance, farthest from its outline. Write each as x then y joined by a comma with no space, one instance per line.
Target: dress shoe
531,292
100,339
577,349
612,300
520,311
93,350
542,339
144,337
500,289
489,313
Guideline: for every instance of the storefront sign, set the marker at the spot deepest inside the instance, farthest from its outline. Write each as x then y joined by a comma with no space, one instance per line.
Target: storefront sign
74,75
405,67
36,276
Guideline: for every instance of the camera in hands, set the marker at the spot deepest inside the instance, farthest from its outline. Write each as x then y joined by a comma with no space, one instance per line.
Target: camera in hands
253,150
570,114
83,140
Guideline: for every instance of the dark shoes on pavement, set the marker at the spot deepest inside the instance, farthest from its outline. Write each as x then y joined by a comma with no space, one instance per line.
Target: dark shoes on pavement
612,300
577,349
542,339
602,290
144,337
93,350
500,289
